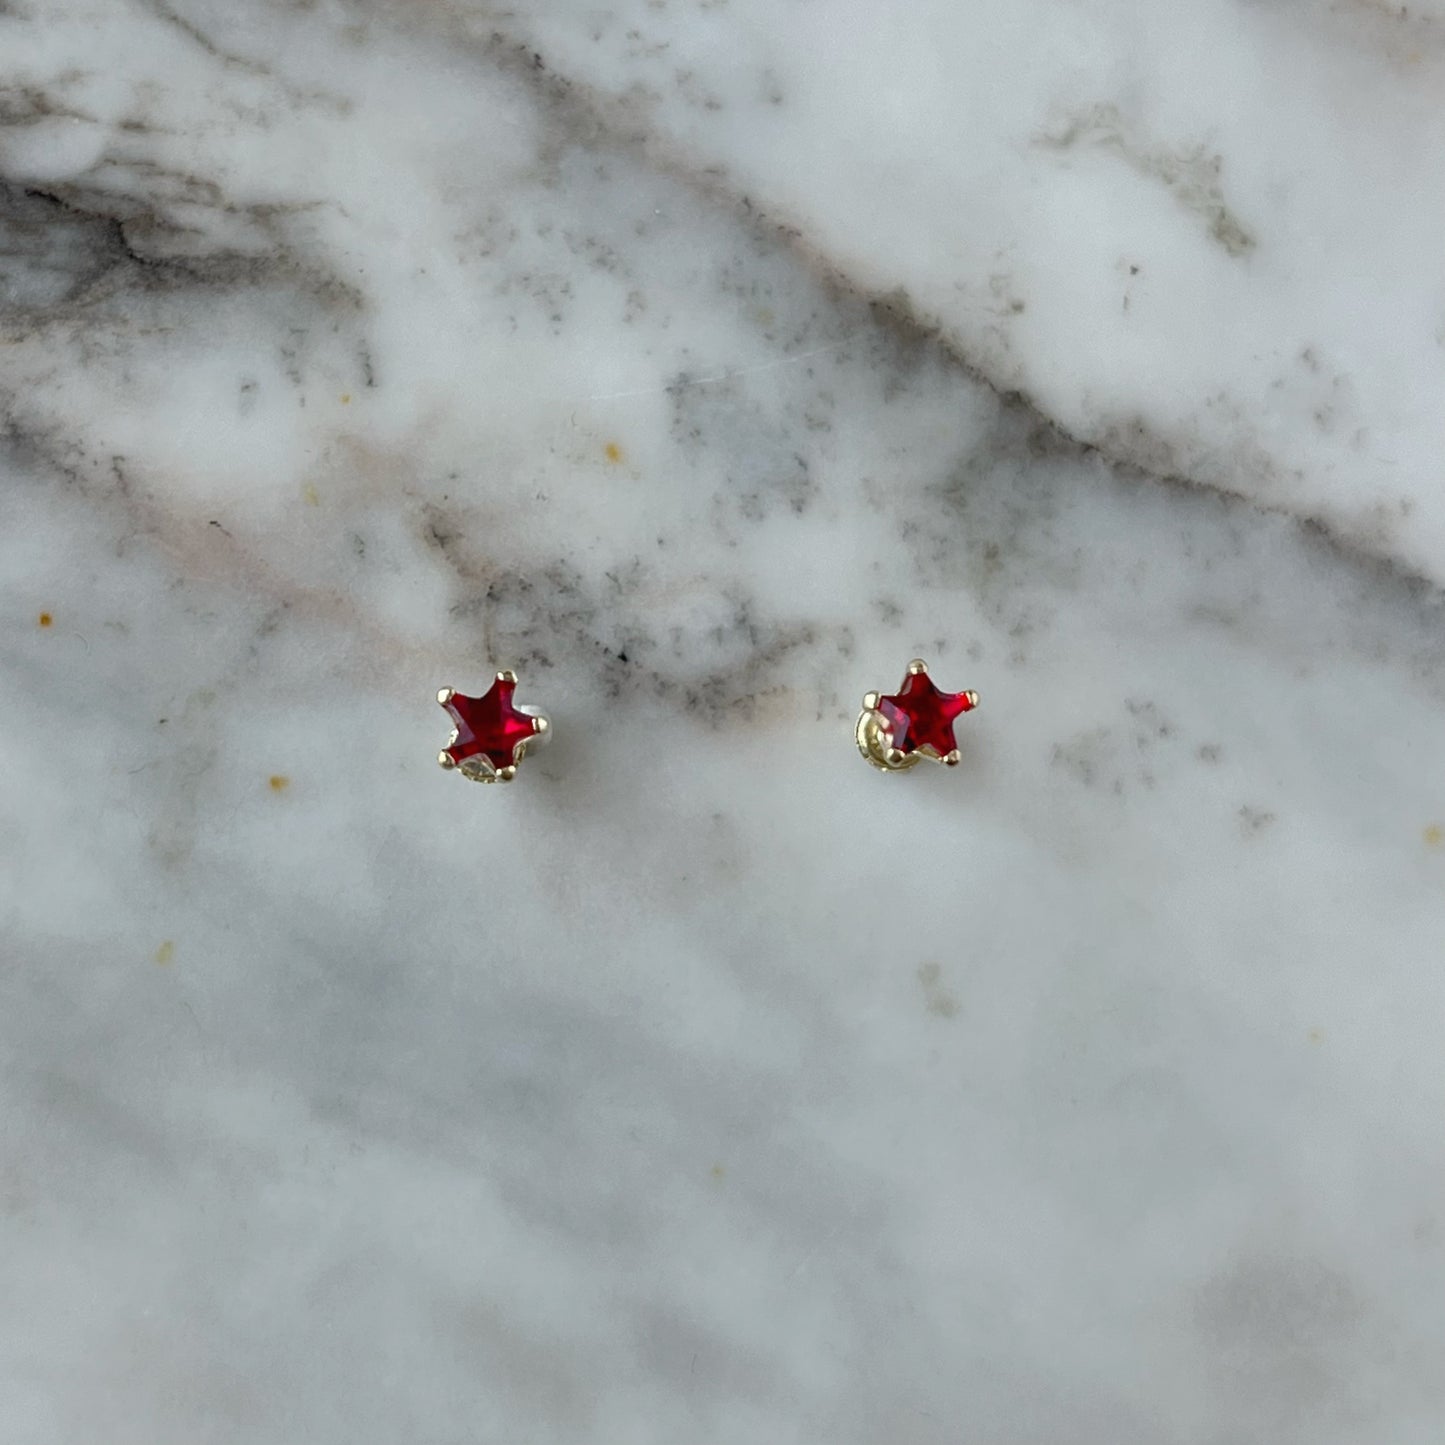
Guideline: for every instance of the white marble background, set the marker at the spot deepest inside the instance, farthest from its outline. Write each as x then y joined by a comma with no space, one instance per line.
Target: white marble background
705,361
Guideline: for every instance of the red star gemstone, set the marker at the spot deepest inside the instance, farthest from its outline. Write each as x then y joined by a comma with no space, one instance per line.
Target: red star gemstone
921,717
489,725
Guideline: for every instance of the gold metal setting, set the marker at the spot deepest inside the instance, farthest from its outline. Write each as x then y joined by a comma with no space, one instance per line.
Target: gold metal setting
875,738
875,742
479,768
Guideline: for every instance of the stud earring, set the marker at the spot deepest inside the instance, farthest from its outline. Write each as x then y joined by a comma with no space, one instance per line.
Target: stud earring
492,735
895,731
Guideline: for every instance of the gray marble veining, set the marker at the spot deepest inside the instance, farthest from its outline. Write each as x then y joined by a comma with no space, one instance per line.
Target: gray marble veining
704,1084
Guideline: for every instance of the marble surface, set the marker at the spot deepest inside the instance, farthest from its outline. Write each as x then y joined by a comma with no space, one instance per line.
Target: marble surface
705,362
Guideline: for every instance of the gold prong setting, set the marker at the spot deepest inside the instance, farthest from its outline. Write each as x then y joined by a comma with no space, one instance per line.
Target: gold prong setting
492,734
895,732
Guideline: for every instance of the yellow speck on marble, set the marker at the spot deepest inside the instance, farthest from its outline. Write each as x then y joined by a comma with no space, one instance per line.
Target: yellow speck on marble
718,1172
279,782
346,398
613,452
310,495
1434,836
165,953
45,619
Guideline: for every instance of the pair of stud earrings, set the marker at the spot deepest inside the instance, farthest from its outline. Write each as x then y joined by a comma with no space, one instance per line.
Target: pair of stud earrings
895,730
